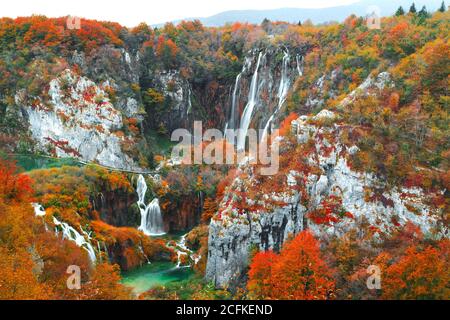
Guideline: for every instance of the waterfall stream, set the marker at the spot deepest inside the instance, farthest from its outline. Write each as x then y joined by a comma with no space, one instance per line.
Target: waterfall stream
283,90
248,111
70,233
266,95
151,218
182,250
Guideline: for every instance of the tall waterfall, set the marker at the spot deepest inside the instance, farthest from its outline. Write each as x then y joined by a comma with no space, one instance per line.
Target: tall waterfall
248,111
70,233
151,218
283,90
263,85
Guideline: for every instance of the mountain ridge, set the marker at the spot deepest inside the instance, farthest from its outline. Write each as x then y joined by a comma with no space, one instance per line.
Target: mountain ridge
316,15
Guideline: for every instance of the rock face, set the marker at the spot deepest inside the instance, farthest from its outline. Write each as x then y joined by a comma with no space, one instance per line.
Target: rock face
230,241
117,208
78,121
178,98
356,199
183,214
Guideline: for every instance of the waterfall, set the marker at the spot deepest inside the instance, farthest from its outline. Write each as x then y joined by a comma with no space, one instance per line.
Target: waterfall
70,233
182,250
261,82
234,102
283,90
151,218
248,111
299,60
38,210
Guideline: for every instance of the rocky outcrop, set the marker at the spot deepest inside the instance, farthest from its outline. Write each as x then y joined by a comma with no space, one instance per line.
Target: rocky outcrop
178,98
78,121
354,198
117,208
182,214
230,240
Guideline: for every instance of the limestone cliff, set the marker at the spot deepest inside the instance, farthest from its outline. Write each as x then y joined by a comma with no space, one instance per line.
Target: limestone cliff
325,195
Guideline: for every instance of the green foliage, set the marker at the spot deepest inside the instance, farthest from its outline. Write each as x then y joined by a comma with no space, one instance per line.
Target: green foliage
400,12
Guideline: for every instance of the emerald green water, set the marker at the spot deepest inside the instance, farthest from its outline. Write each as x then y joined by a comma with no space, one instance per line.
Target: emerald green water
33,162
155,274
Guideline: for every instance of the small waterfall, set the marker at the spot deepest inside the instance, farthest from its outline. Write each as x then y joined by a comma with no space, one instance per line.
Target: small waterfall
151,218
182,250
189,109
283,90
248,111
70,233
38,210
299,60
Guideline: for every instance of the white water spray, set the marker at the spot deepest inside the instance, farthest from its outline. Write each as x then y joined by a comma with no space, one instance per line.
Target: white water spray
151,218
248,111
283,90
70,233
38,210
182,251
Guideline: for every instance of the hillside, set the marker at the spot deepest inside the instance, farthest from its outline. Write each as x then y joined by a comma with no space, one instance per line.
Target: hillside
362,180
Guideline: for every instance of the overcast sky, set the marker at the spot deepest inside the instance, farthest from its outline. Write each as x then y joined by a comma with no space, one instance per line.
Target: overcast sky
131,12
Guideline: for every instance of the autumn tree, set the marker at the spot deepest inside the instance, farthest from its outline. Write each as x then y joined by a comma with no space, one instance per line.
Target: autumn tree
13,186
260,284
104,284
297,273
421,273
400,12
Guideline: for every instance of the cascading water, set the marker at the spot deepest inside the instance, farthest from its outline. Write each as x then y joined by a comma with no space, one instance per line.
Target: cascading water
183,251
70,233
299,60
248,111
232,123
151,218
234,101
38,210
283,90
266,94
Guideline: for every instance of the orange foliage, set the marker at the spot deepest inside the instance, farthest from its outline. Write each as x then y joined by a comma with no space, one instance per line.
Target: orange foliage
298,272
419,274
285,126
260,284
17,187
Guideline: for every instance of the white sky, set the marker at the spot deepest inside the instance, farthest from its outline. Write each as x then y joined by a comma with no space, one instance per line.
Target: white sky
131,12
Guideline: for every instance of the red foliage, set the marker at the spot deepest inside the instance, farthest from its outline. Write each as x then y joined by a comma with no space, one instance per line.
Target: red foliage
13,186
330,211
298,272
285,126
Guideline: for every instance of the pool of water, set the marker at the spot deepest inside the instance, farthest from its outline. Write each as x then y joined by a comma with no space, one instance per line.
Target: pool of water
155,274
34,162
